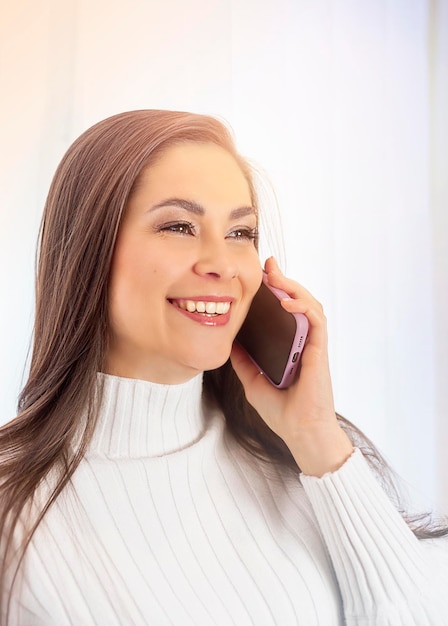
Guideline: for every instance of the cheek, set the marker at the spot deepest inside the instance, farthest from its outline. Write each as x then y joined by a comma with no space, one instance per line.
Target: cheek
132,267
124,279
254,274
126,289
252,279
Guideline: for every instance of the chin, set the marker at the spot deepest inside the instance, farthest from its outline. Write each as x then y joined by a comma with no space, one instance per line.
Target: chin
208,364
215,366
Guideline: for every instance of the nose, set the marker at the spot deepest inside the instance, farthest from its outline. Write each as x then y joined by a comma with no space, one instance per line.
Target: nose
215,260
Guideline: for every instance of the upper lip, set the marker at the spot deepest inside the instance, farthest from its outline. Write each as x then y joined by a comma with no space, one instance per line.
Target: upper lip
204,298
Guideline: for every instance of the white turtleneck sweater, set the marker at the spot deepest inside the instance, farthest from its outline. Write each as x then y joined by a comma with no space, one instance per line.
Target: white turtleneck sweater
168,522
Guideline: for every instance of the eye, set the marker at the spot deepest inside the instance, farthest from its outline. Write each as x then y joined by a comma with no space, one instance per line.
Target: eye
181,228
244,234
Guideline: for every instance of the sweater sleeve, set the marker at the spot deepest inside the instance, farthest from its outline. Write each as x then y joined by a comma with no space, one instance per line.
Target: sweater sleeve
387,577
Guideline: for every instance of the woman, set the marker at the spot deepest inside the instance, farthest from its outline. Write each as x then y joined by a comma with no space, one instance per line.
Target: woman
139,486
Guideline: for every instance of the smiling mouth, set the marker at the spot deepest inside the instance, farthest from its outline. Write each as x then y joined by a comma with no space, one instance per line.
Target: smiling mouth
205,308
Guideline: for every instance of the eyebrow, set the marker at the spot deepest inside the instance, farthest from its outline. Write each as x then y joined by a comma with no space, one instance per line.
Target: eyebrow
198,209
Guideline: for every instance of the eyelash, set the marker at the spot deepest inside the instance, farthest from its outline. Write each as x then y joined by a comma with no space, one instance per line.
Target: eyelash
180,228
250,234
187,228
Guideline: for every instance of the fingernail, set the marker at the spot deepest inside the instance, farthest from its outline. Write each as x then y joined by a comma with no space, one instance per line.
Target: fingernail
276,265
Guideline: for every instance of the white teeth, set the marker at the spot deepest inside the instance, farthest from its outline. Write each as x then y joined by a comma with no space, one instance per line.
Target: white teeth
211,308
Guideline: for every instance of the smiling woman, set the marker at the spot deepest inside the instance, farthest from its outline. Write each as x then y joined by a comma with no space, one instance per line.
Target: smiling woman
152,475
185,253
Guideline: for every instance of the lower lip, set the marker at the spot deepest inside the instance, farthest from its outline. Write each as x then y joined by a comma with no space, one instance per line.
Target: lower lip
204,319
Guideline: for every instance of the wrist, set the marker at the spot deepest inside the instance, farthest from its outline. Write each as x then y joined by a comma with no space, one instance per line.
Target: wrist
320,451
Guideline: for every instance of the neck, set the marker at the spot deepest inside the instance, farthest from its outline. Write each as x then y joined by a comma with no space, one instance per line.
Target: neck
144,419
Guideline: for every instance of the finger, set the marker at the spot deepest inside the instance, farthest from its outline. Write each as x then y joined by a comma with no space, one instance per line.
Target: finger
313,312
300,301
276,278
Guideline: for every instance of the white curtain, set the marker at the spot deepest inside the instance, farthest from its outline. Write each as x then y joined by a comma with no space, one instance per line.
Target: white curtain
341,105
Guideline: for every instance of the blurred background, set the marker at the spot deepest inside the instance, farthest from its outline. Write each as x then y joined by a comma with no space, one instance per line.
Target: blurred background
341,106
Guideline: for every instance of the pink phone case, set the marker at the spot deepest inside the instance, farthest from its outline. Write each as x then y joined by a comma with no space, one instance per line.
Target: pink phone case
297,344
278,343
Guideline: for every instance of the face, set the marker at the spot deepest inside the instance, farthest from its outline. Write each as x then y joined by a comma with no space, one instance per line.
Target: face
185,266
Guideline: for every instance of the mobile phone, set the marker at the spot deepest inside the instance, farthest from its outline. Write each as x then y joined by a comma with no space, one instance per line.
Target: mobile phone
272,337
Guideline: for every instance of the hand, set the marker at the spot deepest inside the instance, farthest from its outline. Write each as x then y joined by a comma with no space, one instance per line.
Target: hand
302,415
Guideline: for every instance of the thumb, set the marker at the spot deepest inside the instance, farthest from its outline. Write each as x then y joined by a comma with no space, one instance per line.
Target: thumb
249,374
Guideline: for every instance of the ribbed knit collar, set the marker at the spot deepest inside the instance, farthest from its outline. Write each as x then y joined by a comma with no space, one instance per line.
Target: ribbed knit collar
143,419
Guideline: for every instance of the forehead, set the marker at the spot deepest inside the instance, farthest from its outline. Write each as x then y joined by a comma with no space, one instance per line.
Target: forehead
196,171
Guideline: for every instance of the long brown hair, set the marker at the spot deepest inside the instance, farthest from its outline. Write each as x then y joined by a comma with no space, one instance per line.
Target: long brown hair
59,402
